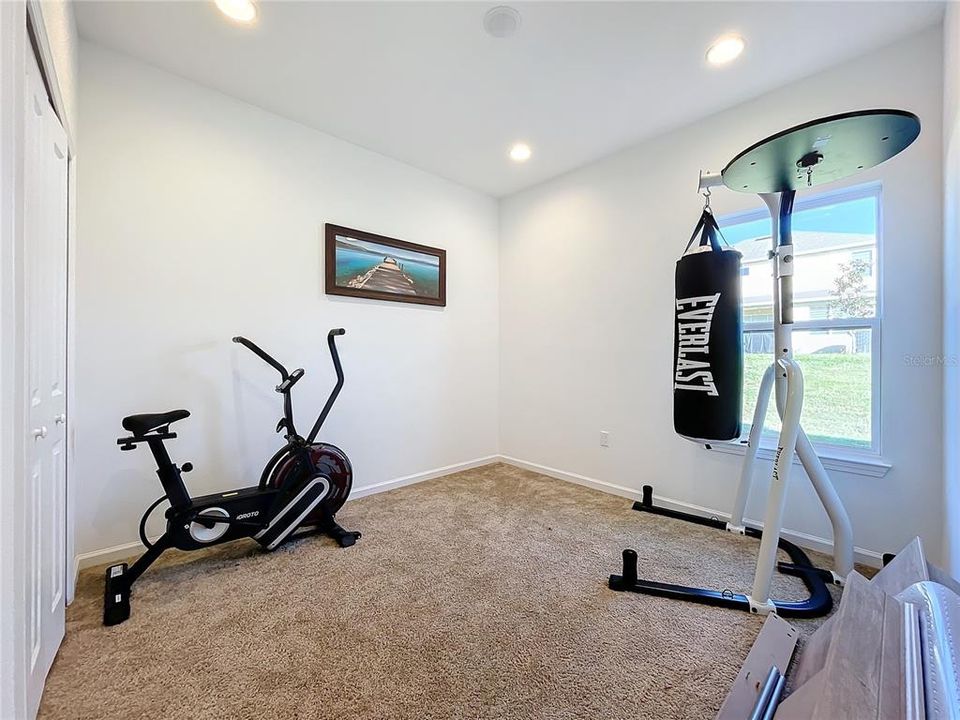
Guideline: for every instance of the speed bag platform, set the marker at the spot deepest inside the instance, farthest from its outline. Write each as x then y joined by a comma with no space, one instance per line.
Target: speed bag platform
707,340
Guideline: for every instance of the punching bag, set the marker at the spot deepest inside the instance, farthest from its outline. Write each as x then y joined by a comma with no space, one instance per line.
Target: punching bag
707,340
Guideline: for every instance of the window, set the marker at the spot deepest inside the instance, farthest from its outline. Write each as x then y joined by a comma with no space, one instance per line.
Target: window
836,313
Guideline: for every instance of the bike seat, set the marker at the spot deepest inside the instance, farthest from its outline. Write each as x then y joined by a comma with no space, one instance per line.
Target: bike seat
140,425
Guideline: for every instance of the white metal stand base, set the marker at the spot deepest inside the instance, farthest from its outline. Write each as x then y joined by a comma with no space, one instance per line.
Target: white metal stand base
761,608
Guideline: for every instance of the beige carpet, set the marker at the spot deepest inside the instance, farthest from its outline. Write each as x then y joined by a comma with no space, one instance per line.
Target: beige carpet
478,595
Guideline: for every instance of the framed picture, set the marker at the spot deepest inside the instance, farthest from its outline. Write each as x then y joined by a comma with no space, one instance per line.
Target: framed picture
361,264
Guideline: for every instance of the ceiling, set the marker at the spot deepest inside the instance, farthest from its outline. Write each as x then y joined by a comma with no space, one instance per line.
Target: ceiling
423,83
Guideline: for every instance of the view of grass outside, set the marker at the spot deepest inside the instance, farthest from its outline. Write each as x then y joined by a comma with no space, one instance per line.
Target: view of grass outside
836,402
835,279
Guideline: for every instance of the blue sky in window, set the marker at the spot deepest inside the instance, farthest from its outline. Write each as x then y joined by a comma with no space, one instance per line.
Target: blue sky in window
851,216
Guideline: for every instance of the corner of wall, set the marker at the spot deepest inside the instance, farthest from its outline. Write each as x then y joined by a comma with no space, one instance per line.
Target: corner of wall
951,293
499,202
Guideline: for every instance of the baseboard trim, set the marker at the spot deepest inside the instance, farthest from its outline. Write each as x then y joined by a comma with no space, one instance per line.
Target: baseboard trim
387,485
108,555
127,550
864,556
603,486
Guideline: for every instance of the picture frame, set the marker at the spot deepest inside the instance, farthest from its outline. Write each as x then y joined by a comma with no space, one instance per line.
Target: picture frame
362,264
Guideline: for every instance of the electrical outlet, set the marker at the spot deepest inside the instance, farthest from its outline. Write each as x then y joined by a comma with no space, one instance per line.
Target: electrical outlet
604,438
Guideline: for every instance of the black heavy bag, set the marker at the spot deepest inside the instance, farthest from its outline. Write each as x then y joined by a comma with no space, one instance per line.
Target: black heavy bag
707,342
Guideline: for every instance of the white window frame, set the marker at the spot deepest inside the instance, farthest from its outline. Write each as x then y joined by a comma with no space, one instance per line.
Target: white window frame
843,454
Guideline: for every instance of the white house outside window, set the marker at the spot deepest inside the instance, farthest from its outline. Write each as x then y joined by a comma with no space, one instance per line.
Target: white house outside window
837,313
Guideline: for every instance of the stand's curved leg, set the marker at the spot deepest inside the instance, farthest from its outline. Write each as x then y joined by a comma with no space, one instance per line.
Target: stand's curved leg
776,500
842,529
746,470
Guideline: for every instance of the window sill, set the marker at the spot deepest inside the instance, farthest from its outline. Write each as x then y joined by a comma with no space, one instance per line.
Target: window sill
832,460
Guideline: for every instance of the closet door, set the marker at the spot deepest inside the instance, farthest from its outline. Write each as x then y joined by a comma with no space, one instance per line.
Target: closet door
45,281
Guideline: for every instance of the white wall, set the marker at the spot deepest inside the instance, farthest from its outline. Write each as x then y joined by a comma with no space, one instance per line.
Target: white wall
586,273
201,218
951,285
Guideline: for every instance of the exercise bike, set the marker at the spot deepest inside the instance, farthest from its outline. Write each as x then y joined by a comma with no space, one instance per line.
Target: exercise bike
301,488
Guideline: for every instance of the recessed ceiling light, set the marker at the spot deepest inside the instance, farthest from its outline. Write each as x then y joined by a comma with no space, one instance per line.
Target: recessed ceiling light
241,11
501,21
725,49
520,152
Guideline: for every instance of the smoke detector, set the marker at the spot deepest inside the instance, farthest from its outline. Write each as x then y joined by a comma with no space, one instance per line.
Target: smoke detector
502,21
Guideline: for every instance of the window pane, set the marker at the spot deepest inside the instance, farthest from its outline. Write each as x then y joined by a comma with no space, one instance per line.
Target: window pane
835,270
837,375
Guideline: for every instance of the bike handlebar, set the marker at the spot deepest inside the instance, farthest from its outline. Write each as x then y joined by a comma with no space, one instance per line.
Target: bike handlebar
287,405
335,356
262,354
